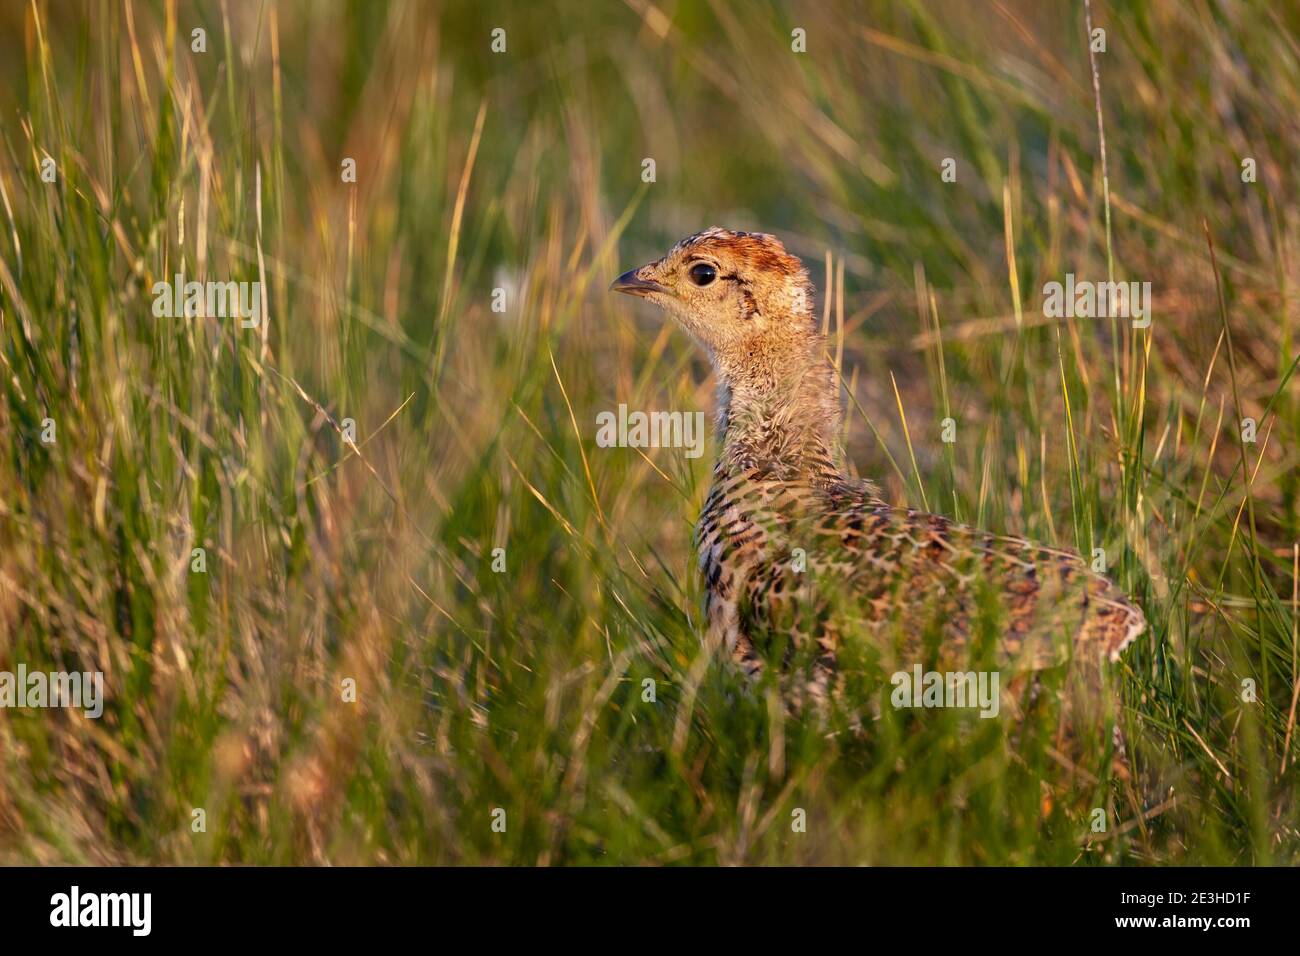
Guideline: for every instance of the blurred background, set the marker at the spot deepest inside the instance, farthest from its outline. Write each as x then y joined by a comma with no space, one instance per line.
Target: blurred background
522,170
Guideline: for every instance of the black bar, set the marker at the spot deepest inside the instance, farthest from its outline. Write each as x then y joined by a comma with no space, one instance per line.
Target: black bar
333,905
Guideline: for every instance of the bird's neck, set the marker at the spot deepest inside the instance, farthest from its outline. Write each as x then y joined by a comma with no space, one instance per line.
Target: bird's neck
779,412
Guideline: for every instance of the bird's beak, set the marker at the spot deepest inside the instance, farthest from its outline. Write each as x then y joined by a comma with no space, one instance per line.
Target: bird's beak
631,283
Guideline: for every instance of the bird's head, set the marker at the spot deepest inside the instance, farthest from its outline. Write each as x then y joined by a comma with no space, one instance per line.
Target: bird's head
740,294
750,304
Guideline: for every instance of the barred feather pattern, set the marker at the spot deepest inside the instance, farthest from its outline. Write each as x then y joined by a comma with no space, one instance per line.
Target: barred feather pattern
870,571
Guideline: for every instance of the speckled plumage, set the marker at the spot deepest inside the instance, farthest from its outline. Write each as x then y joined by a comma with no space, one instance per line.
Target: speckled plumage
797,557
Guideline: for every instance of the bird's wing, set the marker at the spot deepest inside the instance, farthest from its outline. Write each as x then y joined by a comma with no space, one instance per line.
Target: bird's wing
869,567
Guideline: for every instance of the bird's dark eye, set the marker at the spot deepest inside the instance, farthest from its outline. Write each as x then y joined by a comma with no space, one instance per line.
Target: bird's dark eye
702,273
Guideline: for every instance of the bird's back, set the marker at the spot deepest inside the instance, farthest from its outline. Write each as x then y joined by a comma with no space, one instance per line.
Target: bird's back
809,565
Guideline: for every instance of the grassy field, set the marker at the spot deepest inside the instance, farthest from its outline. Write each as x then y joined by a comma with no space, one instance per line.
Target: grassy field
522,690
